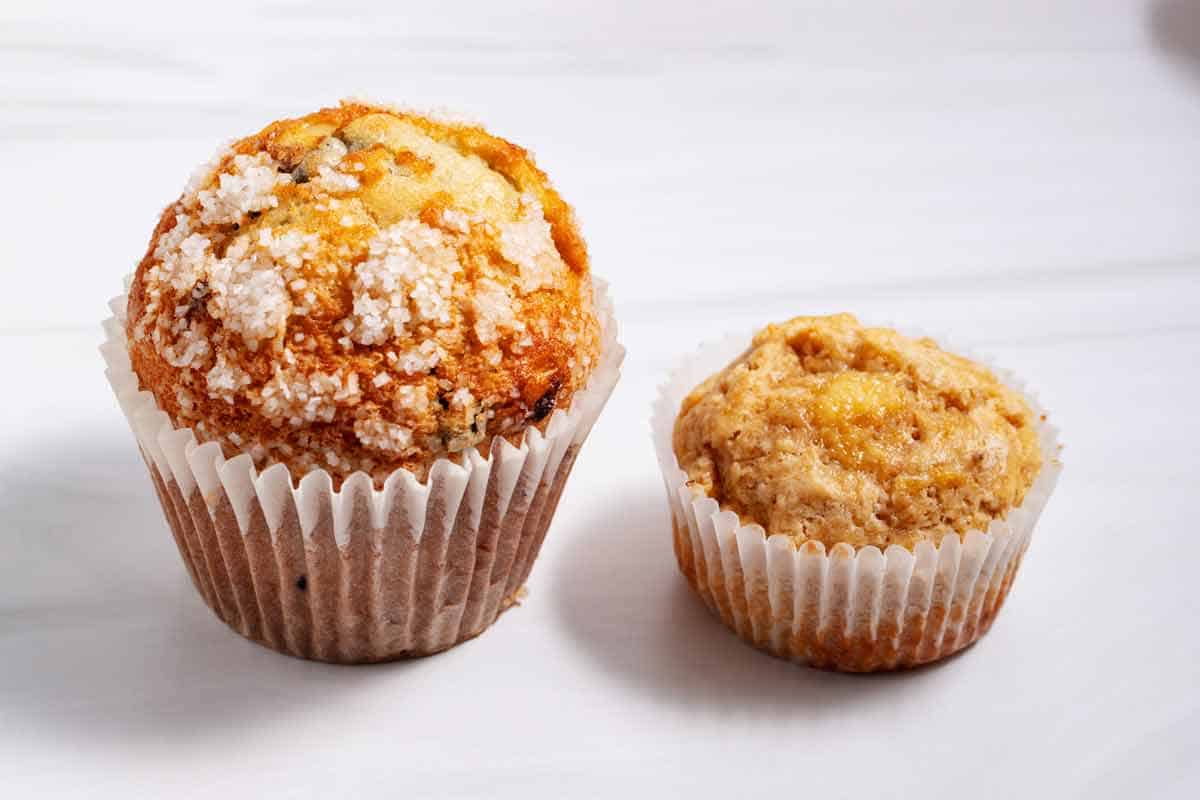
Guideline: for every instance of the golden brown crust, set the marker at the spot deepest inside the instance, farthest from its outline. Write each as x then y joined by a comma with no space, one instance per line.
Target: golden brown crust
830,431
364,288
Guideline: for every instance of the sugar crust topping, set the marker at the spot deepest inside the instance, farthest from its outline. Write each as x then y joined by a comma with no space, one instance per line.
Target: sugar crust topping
363,289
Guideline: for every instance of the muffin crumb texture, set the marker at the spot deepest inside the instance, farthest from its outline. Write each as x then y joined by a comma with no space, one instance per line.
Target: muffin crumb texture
364,289
830,431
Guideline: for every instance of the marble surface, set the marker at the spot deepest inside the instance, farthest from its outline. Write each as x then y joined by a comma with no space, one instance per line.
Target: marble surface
1021,175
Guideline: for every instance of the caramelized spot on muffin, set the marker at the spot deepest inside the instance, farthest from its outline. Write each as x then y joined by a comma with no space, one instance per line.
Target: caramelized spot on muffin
830,431
364,289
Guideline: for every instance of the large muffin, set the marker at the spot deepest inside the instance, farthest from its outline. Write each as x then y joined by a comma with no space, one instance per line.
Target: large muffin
360,357
364,289
828,430
849,497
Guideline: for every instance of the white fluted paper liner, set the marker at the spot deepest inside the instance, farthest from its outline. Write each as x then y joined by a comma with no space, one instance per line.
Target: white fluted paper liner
360,574
850,609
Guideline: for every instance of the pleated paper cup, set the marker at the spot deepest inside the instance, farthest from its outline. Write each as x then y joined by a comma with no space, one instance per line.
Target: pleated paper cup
360,574
845,608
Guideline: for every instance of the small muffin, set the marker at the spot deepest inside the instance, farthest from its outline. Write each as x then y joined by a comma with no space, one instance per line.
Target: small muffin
360,356
835,437
364,289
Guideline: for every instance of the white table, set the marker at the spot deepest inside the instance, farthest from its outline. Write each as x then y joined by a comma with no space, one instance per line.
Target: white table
1024,175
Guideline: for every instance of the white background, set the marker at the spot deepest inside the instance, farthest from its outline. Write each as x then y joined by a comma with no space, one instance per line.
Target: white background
1021,174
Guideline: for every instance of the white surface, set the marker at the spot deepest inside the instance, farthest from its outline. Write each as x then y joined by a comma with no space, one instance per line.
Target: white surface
1021,174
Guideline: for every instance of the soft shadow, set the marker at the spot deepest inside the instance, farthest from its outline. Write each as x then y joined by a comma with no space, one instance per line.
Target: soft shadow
102,636
1175,28
622,597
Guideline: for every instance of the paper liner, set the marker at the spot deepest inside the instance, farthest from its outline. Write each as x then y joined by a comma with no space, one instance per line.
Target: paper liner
857,610
360,574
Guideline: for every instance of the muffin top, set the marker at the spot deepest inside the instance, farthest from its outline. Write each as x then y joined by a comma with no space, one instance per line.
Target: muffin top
364,289
827,430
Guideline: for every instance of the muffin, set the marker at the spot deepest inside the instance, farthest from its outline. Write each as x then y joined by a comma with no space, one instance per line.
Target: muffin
392,318
850,497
